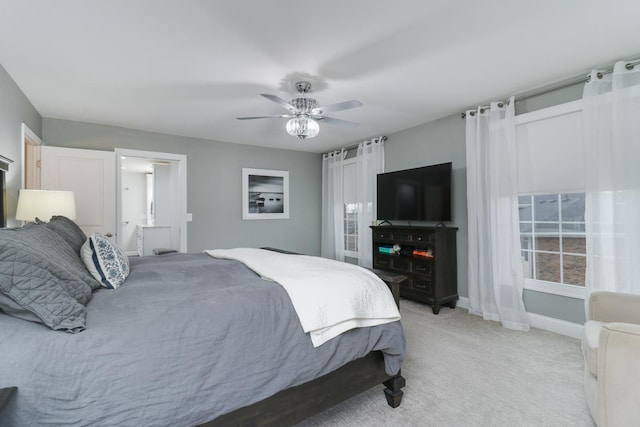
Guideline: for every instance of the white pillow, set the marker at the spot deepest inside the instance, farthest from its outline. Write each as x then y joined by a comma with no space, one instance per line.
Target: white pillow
106,262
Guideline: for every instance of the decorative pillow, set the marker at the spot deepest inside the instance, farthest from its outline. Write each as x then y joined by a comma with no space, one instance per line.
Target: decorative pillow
106,262
69,231
42,279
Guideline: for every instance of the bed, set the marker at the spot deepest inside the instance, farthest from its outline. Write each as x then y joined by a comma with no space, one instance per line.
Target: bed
185,339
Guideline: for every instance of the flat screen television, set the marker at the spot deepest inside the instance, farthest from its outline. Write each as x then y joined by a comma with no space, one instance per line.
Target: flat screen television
419,194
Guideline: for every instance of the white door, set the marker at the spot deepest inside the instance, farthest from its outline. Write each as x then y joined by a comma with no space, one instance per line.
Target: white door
90,174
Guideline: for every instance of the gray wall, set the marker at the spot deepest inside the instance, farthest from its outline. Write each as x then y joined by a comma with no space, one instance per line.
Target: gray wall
443,141
214,184
15,109
439,141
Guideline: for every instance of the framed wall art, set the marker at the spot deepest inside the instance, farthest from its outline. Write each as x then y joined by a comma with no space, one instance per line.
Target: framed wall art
265,194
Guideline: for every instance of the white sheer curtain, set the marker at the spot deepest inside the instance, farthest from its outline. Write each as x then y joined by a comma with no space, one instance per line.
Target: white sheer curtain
369,163
495,269
332,232
611,121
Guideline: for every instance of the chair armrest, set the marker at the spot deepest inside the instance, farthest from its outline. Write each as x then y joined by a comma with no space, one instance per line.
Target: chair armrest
619,374
614,307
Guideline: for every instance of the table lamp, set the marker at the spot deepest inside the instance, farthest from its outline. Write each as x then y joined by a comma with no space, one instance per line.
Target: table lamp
43,204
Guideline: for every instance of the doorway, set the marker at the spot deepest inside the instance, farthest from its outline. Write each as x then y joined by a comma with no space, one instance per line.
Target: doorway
31,145
151,201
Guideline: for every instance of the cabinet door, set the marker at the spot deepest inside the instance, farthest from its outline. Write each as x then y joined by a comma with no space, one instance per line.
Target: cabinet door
423,267
381,262
422,236
90,174
424,285
151,238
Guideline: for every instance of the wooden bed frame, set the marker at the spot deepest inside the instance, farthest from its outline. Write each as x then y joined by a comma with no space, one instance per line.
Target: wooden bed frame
295,404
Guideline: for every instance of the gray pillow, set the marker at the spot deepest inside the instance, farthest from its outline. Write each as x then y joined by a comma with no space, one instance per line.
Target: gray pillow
69,231
42,278
14,309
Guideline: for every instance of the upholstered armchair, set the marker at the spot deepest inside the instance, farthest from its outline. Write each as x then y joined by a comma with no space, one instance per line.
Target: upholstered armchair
611,348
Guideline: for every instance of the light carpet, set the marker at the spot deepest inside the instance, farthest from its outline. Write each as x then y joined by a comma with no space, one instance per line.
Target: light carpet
464,371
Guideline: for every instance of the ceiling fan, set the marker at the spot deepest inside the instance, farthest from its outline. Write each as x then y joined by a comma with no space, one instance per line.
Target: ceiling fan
304,115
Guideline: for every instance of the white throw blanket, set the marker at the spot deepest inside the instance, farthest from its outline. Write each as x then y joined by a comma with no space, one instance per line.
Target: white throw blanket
330,297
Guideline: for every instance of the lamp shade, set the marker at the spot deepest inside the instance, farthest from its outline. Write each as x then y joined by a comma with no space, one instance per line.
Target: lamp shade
43,204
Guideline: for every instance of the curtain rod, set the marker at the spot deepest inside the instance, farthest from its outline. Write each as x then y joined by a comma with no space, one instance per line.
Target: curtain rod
351,147
629,66
567,83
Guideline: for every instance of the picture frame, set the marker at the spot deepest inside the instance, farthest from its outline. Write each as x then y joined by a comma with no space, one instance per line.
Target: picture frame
265,194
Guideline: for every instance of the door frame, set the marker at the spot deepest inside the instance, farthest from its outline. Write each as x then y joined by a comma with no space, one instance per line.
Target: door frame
29,137
182,188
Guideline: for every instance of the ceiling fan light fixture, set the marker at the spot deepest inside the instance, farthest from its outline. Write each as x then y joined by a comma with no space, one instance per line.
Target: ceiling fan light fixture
304,113
303,127
303,105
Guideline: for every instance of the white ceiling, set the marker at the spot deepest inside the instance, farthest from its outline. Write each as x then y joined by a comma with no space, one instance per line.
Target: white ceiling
189,67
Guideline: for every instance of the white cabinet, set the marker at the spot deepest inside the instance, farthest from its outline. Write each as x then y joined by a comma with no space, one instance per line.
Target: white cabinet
151,237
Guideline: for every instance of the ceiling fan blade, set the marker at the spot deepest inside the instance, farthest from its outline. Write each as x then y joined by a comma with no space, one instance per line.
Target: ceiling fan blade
288,116
337,107
338,122
280,101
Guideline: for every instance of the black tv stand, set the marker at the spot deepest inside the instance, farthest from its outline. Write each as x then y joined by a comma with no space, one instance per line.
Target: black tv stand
427,256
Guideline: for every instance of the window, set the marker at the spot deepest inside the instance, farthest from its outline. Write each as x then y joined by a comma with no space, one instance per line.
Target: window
350,208
552,199
351,229
552,235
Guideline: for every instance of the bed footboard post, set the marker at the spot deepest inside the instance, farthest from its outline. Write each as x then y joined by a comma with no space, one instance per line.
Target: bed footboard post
393,391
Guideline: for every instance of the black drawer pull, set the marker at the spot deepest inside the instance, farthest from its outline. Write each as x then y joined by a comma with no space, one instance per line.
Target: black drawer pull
422,269
383,262
421,285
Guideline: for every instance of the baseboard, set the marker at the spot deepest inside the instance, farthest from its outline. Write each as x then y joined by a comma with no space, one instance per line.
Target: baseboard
463,302
562,327
546,323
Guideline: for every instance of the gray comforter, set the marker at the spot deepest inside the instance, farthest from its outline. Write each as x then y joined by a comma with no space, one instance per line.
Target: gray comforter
185,339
